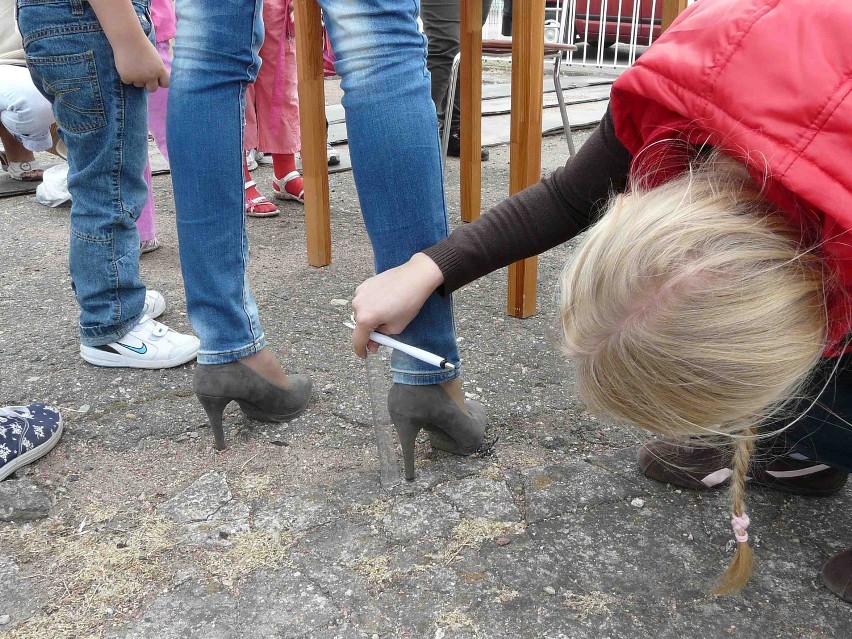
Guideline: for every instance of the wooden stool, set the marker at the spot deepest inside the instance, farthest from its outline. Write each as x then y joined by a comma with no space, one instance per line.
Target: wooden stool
312,117
525,139
527,83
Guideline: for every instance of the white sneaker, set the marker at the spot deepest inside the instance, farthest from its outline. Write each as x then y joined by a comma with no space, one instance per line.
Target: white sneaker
332,155
149,345
155,304
251,162
262,158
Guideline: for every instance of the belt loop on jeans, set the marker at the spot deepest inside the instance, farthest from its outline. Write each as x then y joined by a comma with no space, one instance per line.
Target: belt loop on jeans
77,7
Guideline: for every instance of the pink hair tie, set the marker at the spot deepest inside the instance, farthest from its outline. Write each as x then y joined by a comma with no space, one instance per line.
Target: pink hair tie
740,524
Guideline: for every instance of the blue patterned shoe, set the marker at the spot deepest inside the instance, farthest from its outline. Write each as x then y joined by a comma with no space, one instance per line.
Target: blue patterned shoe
26,433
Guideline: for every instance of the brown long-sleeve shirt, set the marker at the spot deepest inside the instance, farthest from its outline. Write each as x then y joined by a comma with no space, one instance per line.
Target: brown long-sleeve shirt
543,216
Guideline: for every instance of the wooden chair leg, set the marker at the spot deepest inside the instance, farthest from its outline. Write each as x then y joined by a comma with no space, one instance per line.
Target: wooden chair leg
671,9
312,118
525,145
471,109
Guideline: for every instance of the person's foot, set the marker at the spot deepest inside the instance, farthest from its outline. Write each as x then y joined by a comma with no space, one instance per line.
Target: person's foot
290,187
148,345
332,155
23,171
147,246
700,468
837,575
265,364
454,147
251,159
262,158
258,205
155,304
27,433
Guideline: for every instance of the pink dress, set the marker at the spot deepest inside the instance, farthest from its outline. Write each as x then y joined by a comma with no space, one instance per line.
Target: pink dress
164,18
165,23
272,102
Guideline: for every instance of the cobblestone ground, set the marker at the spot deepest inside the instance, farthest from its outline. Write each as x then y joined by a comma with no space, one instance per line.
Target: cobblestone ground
135,528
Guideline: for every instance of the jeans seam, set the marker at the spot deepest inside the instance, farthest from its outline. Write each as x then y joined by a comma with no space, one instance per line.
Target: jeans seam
118,173
243,236
84,27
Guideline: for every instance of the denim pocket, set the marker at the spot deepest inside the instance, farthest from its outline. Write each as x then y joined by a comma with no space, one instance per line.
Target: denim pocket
71,82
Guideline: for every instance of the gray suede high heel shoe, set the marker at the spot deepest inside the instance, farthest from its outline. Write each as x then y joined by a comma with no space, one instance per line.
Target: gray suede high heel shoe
430,408
217,385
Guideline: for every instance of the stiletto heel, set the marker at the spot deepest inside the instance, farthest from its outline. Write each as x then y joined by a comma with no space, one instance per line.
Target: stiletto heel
413,408
215,408
407,431
217,385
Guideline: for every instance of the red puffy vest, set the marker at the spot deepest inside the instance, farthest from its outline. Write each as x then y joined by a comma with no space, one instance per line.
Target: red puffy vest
767,82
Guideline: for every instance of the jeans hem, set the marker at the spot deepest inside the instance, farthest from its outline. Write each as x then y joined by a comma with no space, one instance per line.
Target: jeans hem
412,378
232,356
100,337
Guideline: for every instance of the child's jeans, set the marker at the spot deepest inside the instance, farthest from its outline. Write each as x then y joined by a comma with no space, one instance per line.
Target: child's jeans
103,124
157,107
393,136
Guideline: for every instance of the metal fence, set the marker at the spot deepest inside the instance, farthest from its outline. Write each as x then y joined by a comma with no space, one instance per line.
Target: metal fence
609,33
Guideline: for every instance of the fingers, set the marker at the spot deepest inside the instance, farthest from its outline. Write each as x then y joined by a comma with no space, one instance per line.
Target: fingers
152,85
360,339
165,79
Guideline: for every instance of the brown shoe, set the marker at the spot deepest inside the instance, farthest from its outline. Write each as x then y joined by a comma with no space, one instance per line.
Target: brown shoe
837,575
700,468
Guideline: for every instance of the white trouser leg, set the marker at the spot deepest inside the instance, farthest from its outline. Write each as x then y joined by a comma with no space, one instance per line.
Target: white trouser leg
24,111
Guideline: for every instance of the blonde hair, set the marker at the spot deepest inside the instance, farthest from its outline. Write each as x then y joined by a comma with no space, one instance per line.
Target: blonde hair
693,310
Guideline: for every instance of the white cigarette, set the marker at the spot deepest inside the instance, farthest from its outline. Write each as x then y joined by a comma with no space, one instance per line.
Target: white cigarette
416,353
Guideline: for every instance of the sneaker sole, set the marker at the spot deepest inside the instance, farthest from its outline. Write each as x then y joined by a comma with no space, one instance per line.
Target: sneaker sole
119,361
30,456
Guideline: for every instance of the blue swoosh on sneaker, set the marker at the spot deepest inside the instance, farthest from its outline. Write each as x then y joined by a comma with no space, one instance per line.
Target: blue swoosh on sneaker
141,351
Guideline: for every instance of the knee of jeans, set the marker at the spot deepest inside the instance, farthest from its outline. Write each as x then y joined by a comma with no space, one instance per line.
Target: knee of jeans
29,116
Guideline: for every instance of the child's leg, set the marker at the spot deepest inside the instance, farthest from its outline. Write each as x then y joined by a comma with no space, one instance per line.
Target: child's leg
287,180
257,204
103,123
147,222
158,105
157,109
276,98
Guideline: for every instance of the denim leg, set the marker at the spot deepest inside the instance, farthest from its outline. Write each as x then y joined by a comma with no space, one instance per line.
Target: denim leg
216,56
393,140
104,125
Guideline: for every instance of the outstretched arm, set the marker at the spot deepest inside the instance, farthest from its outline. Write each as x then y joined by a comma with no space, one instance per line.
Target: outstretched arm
526,224
136,59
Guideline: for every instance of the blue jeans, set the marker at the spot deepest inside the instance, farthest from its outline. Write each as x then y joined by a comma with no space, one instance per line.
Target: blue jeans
393,140
104,125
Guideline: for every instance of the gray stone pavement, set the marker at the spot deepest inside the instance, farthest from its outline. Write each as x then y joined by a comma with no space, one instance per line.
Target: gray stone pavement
134,527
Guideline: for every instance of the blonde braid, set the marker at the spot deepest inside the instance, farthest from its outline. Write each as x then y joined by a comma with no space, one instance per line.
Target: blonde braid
697,310
739,571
